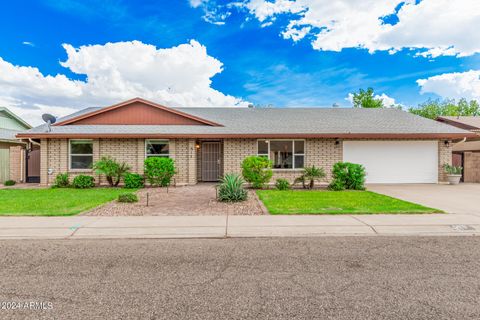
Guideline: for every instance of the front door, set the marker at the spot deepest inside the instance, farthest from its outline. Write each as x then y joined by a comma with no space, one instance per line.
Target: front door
211,161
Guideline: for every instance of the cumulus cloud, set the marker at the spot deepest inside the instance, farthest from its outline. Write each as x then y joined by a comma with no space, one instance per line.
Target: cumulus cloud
432,27
177,76
453,85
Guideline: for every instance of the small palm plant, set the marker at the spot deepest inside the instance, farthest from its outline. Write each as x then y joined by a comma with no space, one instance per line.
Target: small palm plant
113,170
309,176
231,188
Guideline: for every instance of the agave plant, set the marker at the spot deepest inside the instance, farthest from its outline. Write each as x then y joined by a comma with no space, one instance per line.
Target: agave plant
231,188
309,176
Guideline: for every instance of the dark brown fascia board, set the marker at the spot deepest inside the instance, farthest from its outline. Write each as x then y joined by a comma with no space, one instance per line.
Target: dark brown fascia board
124,103
257,136
457,124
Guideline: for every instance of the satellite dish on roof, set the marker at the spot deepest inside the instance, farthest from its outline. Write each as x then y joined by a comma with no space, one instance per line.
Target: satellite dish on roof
49,119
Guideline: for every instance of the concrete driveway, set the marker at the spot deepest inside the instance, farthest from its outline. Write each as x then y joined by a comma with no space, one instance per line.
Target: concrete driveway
463,198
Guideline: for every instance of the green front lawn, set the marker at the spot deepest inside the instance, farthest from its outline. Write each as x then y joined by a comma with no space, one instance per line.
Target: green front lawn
54,202
336,202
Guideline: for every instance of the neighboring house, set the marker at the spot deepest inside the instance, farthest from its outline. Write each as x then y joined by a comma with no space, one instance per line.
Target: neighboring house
466,153
12,150
394,146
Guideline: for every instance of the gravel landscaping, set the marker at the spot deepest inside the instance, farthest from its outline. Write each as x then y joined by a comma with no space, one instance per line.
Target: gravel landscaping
190,200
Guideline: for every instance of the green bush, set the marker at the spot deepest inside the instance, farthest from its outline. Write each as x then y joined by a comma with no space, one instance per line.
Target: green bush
83,182
133,181
61,181
9,183
452,169
309,176
282,184
257,170
113,170
346,175
231,188
127,197
159,171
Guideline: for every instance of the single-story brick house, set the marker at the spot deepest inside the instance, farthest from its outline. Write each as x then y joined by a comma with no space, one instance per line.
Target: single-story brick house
395,146
466,153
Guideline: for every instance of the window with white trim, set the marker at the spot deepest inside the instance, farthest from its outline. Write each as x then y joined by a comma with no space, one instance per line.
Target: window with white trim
157,148
81,154
284,154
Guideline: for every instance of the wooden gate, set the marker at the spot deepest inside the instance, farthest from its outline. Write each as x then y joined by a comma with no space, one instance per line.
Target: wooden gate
211,161
33,164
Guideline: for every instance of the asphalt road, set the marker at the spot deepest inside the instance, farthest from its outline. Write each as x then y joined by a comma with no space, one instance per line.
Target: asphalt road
282,278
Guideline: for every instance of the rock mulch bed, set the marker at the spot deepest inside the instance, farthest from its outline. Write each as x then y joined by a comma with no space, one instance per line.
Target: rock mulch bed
190,200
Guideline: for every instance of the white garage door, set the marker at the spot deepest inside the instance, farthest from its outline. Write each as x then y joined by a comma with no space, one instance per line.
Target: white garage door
395,161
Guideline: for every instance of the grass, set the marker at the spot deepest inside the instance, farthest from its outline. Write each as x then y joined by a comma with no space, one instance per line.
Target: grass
54,202
336,202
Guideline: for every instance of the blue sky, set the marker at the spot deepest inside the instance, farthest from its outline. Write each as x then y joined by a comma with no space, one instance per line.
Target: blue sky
259,64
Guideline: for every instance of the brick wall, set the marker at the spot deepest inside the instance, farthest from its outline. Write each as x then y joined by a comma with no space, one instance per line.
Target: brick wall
444,157
319,152
471,162
17,163
54,155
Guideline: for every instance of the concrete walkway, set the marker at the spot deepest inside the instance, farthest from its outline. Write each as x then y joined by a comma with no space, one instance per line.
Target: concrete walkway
81,227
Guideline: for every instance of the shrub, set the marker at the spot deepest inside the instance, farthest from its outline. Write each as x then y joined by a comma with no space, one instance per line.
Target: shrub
309,176
257,170
452,169
127,197
113,170
282,184
133,181
61,181
346,175
231,188
9,183
159,171
83,182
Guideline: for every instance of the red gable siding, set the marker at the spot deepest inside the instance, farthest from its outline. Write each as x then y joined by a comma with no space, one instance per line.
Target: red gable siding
137,113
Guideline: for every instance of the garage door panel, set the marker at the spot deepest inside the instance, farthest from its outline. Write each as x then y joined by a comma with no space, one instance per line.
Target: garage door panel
395,161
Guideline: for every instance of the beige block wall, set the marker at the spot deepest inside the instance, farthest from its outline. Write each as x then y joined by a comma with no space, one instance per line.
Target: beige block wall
54,156
319,152
444,157
17,163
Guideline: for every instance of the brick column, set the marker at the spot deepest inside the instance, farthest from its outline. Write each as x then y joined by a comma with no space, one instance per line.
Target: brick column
444,157
44,162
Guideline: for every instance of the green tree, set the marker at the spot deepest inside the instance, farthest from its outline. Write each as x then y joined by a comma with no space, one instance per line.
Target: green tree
366,99
449,107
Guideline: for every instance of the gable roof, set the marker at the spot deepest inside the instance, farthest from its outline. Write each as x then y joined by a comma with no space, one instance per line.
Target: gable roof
16,118
264,123
103,115
464,122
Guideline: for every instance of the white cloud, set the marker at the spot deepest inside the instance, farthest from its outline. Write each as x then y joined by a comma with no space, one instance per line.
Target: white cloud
453,85
433,27
177,76
28,43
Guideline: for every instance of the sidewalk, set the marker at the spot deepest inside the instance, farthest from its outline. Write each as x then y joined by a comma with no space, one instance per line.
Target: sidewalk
81,227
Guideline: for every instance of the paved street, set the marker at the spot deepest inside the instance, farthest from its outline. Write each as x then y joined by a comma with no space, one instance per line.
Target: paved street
268,278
